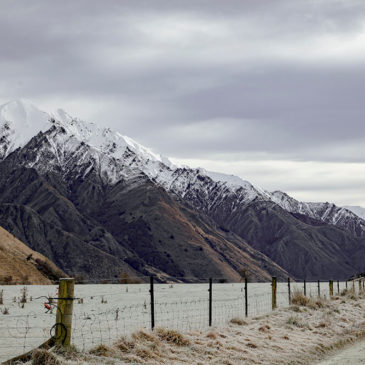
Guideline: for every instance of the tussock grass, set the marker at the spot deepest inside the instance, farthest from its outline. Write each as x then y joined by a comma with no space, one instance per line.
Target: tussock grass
172,336
102,350
68,352
303,335
238,321
44,357
125,345
300,300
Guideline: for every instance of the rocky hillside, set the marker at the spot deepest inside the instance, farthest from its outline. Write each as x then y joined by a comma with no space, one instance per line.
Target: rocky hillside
21,265
82,194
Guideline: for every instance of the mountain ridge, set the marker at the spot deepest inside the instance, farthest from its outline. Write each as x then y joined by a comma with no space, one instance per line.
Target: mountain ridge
72,153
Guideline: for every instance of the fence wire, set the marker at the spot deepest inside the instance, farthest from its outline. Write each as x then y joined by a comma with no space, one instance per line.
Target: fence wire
104,313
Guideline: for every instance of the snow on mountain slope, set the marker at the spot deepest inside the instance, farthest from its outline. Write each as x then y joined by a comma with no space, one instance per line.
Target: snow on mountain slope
325,212
76,147
359,211
72,140
19,122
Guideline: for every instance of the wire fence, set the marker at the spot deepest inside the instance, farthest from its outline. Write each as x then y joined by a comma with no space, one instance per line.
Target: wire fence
104,313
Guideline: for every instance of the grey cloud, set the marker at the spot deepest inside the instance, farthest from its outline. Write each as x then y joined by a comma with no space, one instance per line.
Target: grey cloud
197,78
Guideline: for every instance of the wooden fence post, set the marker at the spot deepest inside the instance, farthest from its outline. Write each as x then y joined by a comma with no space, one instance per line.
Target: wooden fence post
246,298
289,293
152,294
359,285
273,284
64,311
338,287
319,288
331,288
346,284
210,301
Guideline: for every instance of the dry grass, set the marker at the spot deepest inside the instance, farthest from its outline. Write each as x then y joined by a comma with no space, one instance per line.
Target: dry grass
172,336
301,337
238,321
44,357
102,350
299,300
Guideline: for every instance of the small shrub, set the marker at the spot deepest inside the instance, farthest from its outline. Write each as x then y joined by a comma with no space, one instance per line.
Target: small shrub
5,310
172,336
294,321
44,357
101,350
125,345
6,280
298,298
238,321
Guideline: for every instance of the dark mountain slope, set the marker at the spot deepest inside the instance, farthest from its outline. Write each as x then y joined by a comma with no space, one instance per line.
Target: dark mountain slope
99,230
307,249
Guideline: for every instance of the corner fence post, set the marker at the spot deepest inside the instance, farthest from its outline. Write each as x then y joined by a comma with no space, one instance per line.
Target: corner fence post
246,298
210,301
289,293
273,284
305,288
64,311
152,294
331,288
319,288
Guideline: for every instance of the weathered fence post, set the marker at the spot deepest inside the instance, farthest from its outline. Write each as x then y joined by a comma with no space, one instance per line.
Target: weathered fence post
210,300
305,288
346,284
353,286
152,294
331,288
338,287
64,311
359,285
273,284
289,293
319,288
246,298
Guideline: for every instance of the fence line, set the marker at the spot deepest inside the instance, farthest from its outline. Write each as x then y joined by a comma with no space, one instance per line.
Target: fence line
103,317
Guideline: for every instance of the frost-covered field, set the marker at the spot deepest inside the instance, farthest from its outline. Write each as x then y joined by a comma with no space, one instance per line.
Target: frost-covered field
106,312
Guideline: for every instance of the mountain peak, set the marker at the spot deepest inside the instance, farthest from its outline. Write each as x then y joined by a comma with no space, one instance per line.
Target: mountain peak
20,120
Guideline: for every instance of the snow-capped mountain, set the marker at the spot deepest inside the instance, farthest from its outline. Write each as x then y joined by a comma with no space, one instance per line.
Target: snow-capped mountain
326,212
74,147
72,181
359,211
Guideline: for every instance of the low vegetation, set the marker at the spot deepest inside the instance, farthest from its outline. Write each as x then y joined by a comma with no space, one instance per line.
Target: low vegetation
301,334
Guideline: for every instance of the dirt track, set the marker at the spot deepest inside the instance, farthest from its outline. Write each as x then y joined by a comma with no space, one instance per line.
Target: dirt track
353,355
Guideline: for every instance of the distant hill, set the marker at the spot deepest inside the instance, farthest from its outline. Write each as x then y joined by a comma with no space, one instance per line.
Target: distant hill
21,265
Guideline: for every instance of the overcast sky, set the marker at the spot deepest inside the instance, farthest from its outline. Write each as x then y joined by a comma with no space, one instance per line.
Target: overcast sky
272,91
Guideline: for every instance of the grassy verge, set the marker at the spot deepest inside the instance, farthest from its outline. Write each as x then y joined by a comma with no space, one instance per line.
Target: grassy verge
301,334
